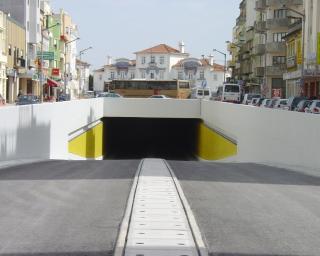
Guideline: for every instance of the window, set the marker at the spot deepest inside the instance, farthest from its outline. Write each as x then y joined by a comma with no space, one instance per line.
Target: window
278,37
143,60
153,59
152,75
201,75
291,49
161,74
161,60
277,60
190,75
112,75
9,50
143,74
180,75
280,13
132,75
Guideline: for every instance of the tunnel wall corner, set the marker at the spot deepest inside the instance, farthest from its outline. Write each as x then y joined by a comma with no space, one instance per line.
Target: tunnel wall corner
212,145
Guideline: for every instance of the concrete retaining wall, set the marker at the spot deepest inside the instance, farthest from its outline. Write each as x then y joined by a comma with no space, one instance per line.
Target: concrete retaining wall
266,135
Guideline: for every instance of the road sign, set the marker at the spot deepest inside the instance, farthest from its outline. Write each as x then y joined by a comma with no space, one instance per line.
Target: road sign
46,55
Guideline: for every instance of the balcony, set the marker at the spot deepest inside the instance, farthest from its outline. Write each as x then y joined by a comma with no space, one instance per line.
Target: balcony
291,62
275,47
259,49
276,71
231,63
250,34
278,23
246,56
259,71
260,26
261,5
280,3
240,20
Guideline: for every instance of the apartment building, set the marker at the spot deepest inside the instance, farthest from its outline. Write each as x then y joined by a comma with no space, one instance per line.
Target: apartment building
3,55
27,13
260,53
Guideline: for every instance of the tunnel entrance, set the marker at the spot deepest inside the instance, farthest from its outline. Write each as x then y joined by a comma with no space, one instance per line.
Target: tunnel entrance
136,138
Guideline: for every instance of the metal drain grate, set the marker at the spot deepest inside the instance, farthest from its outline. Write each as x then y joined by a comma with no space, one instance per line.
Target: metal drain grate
159,226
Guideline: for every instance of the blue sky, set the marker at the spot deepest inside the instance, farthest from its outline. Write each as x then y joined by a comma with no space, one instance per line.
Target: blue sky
120,27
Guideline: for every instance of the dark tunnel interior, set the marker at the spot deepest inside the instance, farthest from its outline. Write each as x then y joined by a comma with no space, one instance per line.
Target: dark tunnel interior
136,138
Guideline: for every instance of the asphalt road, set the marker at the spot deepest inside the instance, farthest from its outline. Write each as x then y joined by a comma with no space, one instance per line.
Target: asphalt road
248,209
63,208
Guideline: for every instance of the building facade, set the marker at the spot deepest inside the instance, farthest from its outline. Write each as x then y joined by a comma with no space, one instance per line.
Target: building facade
161,62
27,13
259,48
3,55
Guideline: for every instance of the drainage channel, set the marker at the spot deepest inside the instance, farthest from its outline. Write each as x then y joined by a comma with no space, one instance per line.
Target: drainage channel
158,220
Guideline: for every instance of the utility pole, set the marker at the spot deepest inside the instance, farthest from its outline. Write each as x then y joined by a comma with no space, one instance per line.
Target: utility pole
65,63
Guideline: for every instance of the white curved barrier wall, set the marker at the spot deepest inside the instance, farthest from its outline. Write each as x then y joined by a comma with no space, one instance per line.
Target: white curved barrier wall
267,135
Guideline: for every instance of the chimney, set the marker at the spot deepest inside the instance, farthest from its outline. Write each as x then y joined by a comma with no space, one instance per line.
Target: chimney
109,60
182,47
211,61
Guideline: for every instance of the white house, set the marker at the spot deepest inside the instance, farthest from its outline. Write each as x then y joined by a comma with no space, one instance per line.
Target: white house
161,62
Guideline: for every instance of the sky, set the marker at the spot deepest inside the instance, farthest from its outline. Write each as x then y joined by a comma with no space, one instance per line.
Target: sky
119,28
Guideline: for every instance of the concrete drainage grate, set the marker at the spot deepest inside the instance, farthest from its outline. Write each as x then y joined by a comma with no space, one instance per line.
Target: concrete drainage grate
158,222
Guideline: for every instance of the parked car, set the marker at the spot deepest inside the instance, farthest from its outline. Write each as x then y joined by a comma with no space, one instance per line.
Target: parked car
201,93
254,102
280,103
159,97
27,100
302,105
248,98
2,101
314,107
265,103
259,102
294,101
63,97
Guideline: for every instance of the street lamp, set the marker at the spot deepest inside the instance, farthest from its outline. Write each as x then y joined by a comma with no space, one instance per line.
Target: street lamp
65,63
225,62
83,51
303,18
80,54
41,58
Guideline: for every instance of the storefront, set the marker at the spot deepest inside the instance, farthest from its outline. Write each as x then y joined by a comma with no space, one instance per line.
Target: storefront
311,87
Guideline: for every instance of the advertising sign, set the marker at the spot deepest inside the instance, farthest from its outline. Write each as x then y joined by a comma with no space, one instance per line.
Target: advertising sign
318,49
299,52
55,72
276,93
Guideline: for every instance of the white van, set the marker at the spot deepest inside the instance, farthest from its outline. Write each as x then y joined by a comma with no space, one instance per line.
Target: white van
201,93
228,93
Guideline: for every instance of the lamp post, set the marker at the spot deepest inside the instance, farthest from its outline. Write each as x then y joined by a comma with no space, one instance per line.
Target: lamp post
80,54
65,63
303,18
41,58
225,62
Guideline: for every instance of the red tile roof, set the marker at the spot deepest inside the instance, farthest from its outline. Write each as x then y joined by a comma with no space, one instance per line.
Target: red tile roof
161,48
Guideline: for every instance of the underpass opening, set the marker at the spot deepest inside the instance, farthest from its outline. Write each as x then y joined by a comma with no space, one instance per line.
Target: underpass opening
136,138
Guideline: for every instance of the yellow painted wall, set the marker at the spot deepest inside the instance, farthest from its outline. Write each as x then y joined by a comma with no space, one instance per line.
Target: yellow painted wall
88,144
213,146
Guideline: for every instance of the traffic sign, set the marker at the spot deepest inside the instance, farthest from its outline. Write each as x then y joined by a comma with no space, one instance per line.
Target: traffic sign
46,55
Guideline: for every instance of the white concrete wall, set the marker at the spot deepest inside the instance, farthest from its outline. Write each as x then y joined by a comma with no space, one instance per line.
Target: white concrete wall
267,136
263,135
149,108
41,131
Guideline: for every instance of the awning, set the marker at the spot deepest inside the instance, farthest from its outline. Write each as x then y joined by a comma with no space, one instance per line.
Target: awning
52,83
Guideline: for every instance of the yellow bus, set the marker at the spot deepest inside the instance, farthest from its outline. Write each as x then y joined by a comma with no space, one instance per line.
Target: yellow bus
179,89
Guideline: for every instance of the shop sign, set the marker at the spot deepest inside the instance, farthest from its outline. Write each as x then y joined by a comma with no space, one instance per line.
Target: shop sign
311,73
276,93
55,72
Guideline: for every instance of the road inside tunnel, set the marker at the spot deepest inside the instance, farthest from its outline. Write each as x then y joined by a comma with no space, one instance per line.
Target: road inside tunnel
136,138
